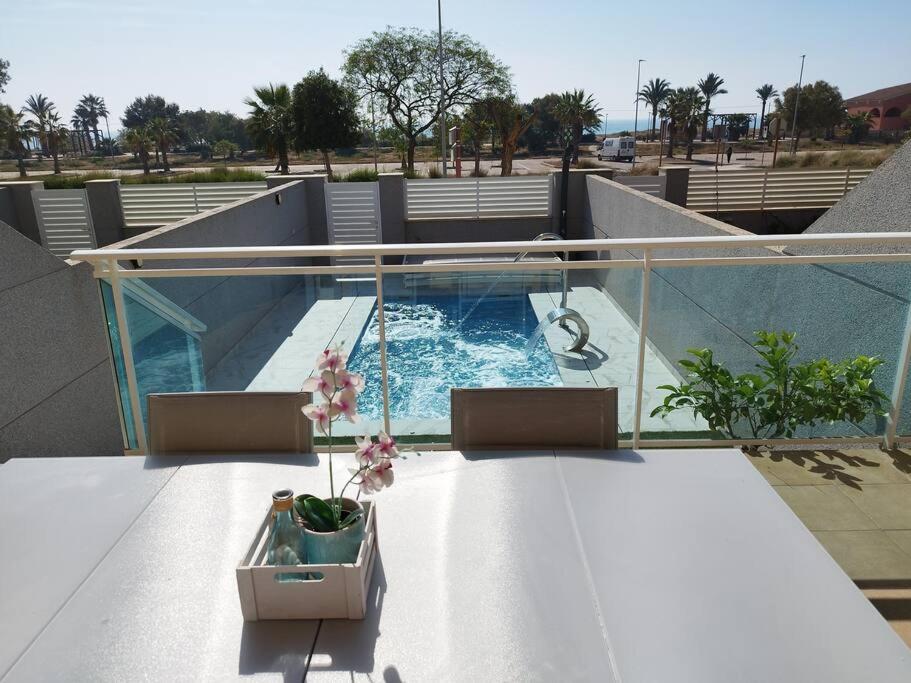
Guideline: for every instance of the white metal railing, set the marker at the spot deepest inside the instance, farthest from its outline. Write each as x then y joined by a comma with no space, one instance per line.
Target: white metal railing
154,205
651,249
479,197
761,190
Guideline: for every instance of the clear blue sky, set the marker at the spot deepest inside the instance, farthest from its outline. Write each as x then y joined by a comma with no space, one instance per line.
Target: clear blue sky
208,53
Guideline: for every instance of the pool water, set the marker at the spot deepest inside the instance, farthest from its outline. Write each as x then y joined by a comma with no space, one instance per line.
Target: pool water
429,352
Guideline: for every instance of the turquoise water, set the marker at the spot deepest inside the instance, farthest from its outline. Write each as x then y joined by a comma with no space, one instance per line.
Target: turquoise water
428,352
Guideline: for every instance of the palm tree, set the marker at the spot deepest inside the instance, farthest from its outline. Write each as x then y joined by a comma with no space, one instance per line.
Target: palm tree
92,106
271,122
683,108
653,94
710,86
56,138
41,108
578,112
78,132
165,133
140,143
13,135
85,117
764,93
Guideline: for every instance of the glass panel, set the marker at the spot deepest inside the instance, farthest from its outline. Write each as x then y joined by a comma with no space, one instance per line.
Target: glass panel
837,312
117,354
251,333
446,330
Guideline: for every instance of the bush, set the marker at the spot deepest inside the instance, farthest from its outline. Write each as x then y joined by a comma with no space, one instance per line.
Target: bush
72,182
482,173
360,175
587,163
781,396
213,175
411,175
650,168
434,171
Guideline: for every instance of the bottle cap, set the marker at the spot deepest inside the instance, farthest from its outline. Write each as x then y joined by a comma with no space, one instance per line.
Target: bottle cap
282,499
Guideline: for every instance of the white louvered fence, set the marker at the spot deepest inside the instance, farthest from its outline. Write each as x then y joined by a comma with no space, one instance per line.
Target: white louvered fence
758,190
151,206
654,185
478,197
64,221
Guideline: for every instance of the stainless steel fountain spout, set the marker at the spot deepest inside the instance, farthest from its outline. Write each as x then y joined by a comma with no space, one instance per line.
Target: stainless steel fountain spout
559,315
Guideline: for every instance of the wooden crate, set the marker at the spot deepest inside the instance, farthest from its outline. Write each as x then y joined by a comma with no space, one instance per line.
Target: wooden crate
340,594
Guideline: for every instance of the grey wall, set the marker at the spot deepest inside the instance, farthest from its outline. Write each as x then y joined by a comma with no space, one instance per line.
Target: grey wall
7,208
231,306
836,311
107,210
22,217
471,230
55,375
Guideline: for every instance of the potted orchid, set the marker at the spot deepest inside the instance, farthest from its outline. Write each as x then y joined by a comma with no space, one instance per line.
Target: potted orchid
334,526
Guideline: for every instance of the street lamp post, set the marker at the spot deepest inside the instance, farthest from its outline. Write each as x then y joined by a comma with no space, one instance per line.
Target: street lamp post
636,119
796,104
442,88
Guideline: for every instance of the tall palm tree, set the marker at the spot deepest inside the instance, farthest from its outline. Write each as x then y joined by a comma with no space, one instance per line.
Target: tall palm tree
683,108
653,94
271,122
92,105
165,133
13,135
41,108
764,93
140,142
56,138
85,117
578,112
78,132
710,86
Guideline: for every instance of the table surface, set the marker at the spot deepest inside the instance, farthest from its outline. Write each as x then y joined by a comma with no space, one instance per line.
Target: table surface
626,565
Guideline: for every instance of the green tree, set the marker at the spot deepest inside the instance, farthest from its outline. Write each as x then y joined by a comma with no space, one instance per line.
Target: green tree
764,93
510,120
821,108
545,131
738,126
56,134
578,112
325,115
653,94
857,126
92,109
224,149
683,108
139,141
400,68
165,133
13,135
477,125
271,122
4,74
41,108
142,110
710,87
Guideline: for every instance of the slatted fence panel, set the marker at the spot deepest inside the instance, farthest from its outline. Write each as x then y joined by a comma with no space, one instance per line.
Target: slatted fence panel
353,215
650,184
151,206
478,197
64,220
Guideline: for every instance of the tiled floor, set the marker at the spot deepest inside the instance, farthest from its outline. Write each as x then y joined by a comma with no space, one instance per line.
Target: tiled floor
858,505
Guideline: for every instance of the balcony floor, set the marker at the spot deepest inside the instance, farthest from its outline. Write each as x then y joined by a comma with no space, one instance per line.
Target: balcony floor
858,505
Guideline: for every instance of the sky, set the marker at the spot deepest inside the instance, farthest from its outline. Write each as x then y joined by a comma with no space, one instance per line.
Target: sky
209,53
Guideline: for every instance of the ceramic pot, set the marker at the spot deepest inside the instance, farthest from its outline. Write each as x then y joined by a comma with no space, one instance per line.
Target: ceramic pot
336,547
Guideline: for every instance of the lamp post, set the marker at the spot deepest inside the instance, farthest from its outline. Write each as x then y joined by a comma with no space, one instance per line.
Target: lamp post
442,88
796,104
636,119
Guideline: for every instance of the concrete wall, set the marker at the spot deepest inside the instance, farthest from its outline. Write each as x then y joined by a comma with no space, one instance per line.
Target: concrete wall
7,208
22,217
55,376
230,307
835,310
471,230
107,211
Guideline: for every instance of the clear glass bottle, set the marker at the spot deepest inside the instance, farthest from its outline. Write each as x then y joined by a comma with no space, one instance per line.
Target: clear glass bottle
286,542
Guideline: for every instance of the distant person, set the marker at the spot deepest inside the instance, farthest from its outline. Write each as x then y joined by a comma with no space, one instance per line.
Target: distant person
729,152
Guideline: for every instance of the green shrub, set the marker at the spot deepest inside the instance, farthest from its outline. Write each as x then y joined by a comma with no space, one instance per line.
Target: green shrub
212,175
587,163
360,175
781,397
411,175
72,182
434,171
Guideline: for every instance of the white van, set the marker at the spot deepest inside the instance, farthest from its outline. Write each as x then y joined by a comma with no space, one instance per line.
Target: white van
617,149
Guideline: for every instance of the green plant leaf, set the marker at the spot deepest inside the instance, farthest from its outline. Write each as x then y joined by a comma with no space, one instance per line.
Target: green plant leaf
316,512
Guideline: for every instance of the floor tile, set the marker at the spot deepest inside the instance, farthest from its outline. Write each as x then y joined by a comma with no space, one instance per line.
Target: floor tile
825,508
901,538
889,505
895,606
866,555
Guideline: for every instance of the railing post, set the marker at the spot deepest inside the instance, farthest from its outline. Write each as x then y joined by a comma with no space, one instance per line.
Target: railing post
477,197
765,184
898,389
381,319
643,337
195,199
126,349
847,181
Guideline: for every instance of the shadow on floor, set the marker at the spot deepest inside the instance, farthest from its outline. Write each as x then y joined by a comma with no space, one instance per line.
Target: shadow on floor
832,465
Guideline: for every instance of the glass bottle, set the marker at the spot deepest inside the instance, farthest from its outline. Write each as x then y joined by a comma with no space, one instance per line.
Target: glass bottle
286,542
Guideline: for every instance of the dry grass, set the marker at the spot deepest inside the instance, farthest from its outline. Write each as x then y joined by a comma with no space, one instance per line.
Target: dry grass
845,159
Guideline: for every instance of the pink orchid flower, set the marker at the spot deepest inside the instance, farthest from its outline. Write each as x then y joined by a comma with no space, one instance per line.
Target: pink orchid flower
332,360
344,403
324,384
319,415
365,453
380,475
386,445
349,381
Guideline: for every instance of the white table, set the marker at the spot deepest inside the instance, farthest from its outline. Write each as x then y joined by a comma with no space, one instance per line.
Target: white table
677,565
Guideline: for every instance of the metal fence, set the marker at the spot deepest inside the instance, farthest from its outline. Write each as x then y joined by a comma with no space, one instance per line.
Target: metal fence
654,185
760,190
151,206
640,265
479,197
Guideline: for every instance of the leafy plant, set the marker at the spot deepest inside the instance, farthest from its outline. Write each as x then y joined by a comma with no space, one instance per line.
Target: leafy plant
781,396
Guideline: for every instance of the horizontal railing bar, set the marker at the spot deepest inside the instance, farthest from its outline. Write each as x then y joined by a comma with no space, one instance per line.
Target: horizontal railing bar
658,243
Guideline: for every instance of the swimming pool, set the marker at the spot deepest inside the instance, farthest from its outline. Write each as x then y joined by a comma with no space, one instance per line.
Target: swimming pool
429,351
